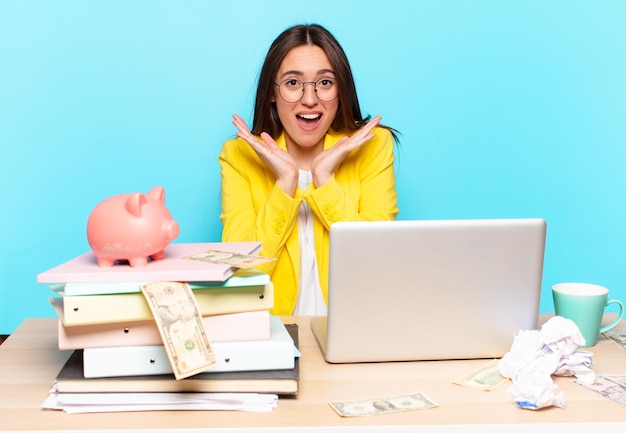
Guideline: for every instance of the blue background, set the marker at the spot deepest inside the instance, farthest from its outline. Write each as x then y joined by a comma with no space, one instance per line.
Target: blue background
506,109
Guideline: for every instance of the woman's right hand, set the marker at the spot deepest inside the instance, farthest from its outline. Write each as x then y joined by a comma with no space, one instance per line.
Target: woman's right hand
278,160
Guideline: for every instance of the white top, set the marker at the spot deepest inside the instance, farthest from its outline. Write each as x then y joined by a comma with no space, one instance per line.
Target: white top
310,300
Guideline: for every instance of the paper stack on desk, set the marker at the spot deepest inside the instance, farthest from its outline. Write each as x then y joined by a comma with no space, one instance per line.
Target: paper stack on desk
105,319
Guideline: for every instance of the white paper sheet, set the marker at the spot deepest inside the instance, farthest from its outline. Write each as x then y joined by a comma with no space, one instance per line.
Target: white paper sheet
132,402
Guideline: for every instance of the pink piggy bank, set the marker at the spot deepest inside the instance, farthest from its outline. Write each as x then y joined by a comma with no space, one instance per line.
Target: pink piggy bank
131,227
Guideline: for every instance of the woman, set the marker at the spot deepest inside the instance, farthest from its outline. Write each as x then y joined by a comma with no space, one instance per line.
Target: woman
310,159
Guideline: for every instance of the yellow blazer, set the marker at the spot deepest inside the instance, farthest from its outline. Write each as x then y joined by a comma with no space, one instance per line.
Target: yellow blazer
254,208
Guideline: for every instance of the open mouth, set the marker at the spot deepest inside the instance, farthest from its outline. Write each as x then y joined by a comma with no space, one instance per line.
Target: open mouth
309,122
313,117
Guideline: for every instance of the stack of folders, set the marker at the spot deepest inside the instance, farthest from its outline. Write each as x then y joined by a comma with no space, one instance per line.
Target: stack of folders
117,348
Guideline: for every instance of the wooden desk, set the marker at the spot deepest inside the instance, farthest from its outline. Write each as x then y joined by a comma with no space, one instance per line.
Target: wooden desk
29,361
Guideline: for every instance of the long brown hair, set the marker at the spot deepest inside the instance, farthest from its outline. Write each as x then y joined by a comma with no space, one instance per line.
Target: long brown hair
348,117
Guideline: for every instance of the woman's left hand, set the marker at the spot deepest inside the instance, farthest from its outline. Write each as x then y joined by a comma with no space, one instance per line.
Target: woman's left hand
325,163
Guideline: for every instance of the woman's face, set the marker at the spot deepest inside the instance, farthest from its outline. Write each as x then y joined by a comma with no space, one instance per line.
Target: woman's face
305,122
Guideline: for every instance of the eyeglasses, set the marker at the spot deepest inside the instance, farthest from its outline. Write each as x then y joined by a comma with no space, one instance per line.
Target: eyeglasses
292,89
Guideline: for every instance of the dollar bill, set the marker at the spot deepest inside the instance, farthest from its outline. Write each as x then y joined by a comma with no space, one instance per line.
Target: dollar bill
608,386
178,319
381,405
617,336
485,378
229,258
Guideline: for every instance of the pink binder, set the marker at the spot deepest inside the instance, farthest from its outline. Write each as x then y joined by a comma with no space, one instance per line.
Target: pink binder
173,267
245,326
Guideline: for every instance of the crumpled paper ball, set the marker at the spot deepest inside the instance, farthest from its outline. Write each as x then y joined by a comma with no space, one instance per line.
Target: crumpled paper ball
537,355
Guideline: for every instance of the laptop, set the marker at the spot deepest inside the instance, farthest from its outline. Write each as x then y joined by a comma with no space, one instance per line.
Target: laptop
430,289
